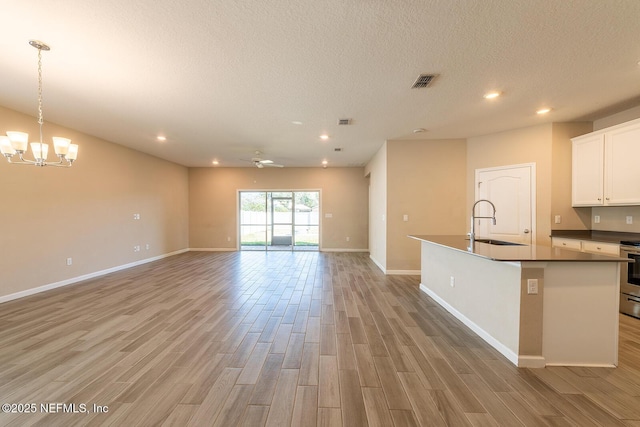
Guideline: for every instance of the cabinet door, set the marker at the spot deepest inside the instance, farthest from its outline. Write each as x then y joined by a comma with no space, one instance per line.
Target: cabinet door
588,170
622,173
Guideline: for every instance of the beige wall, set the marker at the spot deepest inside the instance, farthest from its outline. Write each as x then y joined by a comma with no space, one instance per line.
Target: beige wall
213,203
426,180
618,118
85,212
376,171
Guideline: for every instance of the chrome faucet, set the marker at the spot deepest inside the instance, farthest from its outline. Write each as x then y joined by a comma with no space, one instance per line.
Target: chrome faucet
472,233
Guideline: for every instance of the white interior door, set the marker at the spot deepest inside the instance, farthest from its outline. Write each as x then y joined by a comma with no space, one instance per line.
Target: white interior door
512,191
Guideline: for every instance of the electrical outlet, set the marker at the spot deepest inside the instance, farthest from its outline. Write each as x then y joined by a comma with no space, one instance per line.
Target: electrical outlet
69,261
136,216
348,238
136,248
532,286
558,219
405,217
228,239
629,219
596,219
147,246
452,281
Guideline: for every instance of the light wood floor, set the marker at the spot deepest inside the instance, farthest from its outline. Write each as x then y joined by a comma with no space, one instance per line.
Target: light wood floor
277,339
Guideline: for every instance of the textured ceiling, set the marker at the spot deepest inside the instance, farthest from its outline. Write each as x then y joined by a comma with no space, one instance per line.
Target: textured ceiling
224,78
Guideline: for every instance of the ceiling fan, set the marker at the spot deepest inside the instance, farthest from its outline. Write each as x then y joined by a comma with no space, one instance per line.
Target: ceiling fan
259,162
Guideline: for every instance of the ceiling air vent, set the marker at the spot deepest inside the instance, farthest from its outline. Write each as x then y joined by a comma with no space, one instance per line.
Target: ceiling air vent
423,80
337,149
343,122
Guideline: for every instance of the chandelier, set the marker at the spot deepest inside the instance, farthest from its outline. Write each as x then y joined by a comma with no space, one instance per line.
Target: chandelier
15,143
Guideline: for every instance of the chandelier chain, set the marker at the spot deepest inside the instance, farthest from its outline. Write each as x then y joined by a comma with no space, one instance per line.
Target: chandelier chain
40,118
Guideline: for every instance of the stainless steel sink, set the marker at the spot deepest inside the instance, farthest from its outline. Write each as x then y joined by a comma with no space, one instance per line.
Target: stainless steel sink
498,242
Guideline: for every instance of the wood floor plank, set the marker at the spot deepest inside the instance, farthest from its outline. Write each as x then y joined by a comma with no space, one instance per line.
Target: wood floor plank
378,414
310,365
281,410
329,417
329,383
351,399
267,380
396,396
213,403
257,338
255,416
423,406
252,368
305,410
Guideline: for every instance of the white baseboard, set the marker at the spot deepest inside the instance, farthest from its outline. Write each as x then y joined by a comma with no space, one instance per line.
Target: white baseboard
404,272
343,250
375,261
532,362
213,249
504,350
584,365
33,291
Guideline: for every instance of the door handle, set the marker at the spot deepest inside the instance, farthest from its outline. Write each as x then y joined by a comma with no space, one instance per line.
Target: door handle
526,231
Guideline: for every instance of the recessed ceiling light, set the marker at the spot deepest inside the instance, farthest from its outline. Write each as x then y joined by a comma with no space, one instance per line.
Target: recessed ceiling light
324,162
324,137
215,163
492,95
543,111
161,138
295,122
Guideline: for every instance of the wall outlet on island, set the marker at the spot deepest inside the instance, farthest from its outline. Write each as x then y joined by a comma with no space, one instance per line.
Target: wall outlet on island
596,219
629,220
557,219
532,286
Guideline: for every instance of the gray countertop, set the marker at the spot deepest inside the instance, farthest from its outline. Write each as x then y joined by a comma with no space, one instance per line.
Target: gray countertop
595,235
514,253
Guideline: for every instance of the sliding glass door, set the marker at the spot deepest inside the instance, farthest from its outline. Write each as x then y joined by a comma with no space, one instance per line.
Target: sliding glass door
279,220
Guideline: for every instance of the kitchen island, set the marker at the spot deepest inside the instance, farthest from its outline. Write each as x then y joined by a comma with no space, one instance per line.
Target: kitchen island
537,305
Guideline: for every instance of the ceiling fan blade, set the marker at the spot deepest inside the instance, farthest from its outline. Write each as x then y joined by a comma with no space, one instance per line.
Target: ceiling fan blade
273,165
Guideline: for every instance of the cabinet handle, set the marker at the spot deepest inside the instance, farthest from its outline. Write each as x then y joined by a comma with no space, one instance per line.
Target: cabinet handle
599,199
598,248
564,244
608,198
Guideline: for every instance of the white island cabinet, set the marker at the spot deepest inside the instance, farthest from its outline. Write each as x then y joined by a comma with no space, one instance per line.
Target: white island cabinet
605,166
537,305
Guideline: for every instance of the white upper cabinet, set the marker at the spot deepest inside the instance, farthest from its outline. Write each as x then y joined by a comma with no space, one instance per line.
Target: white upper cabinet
606,167
588,170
